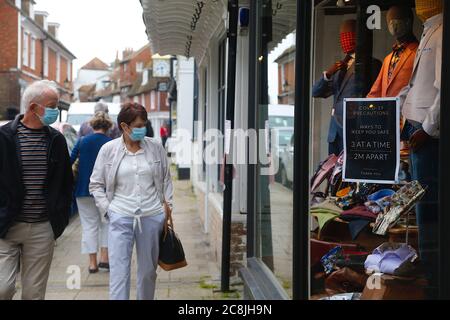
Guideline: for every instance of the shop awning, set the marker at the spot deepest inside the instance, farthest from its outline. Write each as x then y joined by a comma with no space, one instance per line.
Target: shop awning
182,27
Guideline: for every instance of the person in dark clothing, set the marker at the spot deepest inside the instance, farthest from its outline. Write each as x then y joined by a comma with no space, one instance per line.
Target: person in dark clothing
36,186
86,129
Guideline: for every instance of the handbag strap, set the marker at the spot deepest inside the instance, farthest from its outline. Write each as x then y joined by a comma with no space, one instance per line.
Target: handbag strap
169,221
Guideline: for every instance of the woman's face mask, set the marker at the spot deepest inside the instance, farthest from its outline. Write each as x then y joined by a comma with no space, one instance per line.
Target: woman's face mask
398,28
138,134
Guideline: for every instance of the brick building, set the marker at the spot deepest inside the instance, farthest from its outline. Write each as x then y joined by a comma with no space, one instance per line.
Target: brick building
286,76
29,51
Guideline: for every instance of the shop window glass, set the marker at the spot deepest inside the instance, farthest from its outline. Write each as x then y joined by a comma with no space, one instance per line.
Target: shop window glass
374,170
275,119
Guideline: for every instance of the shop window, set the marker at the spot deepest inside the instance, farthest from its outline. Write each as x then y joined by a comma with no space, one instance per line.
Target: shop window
274,187
374,150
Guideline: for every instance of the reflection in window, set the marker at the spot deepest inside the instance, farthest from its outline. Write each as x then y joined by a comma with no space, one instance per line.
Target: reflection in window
275,115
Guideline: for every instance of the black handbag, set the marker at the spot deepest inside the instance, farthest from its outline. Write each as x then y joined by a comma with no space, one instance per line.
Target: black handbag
171,253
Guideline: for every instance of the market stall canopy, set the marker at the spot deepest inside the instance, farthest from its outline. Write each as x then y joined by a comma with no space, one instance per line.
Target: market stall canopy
182,27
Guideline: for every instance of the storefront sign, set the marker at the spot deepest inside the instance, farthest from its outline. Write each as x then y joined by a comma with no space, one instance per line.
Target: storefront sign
371,140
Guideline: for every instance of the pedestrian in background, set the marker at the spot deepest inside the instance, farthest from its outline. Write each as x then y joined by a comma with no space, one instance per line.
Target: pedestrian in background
94,228
130,181
35,192
86,129
164,133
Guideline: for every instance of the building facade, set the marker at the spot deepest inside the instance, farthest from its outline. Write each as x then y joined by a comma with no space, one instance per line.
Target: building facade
277,56
30,50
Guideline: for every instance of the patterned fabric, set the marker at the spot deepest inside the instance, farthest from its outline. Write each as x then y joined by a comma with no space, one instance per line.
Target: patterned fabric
348,41
33,153
398,50
426,9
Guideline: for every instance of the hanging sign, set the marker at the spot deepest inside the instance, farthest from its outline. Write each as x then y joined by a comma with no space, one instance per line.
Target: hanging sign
371,140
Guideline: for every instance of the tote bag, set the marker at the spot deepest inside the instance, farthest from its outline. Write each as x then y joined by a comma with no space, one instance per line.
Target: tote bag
171,253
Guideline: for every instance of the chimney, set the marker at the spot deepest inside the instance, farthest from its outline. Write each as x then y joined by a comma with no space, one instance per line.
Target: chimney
53,28
127,53
41,19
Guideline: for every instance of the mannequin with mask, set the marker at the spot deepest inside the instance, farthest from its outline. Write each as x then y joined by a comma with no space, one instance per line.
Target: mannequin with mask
339,81
398,65
420,101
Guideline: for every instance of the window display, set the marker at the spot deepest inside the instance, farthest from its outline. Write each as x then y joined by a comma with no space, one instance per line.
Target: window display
376,240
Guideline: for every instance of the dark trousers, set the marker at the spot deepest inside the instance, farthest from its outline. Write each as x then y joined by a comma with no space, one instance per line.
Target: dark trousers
425,169
336,146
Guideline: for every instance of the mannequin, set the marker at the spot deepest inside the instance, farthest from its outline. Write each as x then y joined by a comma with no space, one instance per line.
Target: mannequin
421,105
339,80
398,65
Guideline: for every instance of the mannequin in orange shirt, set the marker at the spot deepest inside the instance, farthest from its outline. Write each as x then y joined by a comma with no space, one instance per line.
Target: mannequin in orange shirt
398,65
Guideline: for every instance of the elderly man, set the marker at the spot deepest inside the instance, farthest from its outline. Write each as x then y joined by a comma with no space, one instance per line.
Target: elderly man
86,128
421,107
35,192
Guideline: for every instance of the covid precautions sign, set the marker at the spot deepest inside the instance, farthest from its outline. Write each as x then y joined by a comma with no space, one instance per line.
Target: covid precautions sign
371,140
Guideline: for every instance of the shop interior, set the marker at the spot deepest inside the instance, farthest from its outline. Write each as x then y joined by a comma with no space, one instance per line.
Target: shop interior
352,224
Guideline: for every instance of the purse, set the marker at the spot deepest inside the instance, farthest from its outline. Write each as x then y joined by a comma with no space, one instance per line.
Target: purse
171,253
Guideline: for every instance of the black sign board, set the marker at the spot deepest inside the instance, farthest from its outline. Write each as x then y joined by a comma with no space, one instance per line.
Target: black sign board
371,140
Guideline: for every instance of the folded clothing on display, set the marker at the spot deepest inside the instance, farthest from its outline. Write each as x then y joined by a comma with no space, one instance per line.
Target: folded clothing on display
401,203
392,258
330,258
325,212
344,296
380,200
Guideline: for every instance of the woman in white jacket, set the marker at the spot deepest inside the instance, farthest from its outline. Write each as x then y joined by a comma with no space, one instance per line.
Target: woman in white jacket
130,183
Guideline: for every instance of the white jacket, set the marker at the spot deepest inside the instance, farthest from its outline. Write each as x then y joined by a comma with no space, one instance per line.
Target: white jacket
421,99
103,178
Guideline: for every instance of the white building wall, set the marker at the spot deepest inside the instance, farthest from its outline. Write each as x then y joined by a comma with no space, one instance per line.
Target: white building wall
185,108
87,77
241,120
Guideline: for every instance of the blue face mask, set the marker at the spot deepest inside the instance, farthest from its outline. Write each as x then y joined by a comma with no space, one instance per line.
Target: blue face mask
49,117
138,134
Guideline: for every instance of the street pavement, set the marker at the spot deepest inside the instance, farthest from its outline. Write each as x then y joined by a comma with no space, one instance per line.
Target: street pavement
200,280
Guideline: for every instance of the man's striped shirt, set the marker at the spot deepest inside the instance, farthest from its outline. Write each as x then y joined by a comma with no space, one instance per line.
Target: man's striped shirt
34,154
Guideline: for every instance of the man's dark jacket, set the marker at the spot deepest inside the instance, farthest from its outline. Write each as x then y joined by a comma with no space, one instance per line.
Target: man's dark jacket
59,183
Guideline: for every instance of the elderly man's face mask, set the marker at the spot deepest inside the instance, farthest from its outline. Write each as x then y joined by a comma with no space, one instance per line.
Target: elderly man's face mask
426,9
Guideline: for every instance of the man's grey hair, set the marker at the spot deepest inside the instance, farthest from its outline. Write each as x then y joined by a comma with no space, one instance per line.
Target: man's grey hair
36,91
101,107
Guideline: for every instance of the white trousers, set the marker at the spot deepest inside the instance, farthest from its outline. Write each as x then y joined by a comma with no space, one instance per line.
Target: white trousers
122,235
94,231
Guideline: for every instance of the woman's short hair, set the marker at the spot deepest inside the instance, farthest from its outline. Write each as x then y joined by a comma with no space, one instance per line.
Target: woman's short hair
129,112
101,121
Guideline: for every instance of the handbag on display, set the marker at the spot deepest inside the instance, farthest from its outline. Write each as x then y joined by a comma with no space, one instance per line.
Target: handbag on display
323,171
171,253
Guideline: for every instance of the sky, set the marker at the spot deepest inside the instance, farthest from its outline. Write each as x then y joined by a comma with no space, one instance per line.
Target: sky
96,28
